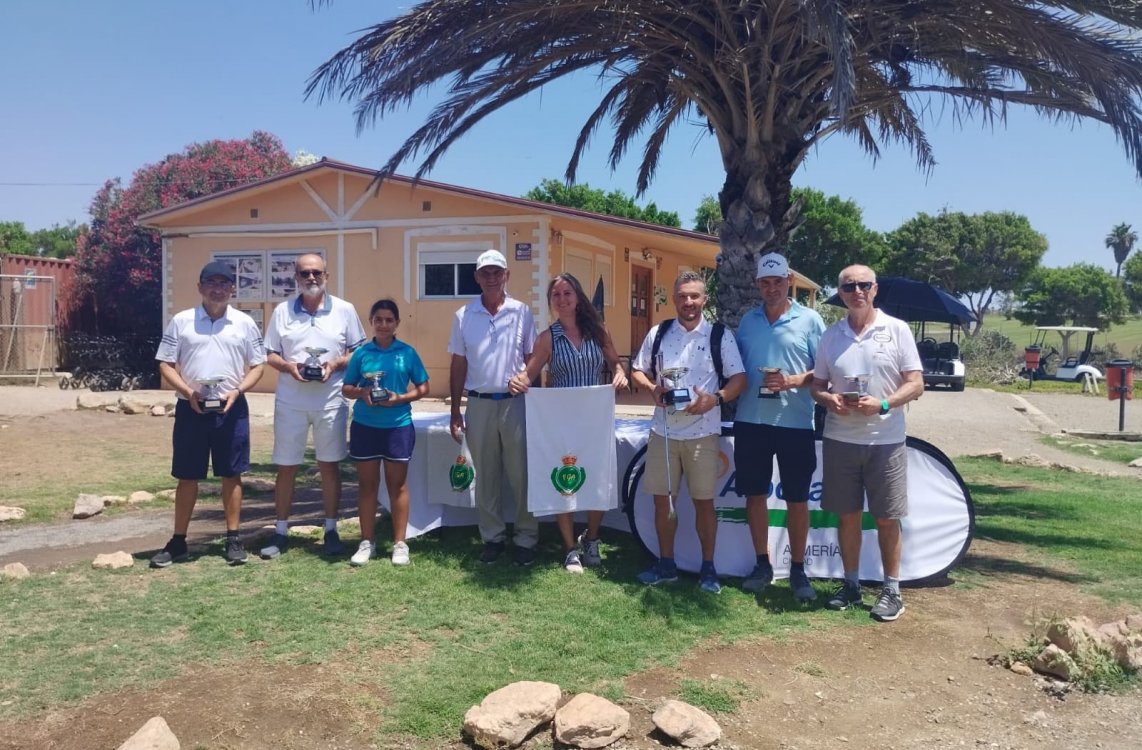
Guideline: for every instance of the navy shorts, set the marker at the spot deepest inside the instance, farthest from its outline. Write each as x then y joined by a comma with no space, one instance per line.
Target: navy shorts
389,443
755,445
221,440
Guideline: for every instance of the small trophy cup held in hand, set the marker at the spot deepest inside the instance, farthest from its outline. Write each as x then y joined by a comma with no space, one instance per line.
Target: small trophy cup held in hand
677,397
312,369
764,392
210,401
377,392
855,387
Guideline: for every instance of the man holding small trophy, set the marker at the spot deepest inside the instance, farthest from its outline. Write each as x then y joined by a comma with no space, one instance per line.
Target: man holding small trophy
778,343
687,425
211,355
308,340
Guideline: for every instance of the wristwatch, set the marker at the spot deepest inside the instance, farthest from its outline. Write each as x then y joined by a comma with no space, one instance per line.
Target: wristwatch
721,401
884,407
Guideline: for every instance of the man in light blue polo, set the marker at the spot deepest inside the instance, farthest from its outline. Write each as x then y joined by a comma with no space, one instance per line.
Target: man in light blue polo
778,343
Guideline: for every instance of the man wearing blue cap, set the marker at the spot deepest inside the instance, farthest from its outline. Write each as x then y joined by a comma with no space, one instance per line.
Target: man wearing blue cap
210,343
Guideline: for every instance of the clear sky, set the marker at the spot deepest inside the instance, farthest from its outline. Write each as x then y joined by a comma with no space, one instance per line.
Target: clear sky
95,89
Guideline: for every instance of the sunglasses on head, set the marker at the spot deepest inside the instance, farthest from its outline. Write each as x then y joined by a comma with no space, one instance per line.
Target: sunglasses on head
852,286
311,274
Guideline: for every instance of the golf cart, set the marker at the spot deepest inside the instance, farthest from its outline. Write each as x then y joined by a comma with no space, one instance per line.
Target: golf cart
1072,368
920,303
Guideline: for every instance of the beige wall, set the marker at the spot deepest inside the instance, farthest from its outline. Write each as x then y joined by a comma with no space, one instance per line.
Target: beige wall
380,244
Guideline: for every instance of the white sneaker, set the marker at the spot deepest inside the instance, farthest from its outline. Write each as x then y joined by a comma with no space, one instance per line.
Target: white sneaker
572,563
365,552
400,553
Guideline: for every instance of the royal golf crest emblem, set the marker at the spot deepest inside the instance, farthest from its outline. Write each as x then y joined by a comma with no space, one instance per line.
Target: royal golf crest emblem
568,478
461,474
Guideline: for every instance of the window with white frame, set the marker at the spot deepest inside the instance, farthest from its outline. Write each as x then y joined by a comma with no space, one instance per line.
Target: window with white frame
447,269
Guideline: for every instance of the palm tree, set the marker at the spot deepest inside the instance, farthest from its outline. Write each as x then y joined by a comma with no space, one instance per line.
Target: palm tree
1121,240
769,79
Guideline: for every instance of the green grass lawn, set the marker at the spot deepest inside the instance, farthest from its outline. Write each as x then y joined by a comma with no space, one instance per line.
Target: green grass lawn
1126,336
451,630
1118,451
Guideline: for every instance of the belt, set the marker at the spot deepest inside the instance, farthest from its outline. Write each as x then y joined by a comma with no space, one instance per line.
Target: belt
493,396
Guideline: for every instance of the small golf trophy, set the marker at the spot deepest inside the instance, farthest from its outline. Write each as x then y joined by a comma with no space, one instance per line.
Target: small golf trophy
764,392
677,397
855,387
377,392
313,369
210,401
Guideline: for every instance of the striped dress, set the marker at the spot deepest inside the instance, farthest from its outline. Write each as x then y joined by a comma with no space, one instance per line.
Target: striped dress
571,367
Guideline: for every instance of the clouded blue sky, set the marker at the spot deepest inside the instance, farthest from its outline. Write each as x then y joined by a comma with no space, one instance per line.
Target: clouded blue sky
95,89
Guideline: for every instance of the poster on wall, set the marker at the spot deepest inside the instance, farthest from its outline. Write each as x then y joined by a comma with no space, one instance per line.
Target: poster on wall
283,282
256,312
249,274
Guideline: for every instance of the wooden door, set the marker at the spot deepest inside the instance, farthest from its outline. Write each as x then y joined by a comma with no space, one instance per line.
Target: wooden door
640,300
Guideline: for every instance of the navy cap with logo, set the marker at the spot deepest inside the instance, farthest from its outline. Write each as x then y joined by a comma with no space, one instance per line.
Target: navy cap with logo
217,268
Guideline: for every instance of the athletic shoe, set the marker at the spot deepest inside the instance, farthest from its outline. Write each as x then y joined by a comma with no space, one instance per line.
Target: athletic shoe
572,563
659,573
758,578
491,552
173,552
888,607
333,545
802,590
848,595
400,553
524,556
365,551
590,555
235,554
708,582
278,544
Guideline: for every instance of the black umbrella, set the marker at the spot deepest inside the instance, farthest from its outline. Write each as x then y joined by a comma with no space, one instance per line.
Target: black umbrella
597,298
914,301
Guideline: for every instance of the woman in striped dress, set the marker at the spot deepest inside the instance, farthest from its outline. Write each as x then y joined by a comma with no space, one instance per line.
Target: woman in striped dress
574,349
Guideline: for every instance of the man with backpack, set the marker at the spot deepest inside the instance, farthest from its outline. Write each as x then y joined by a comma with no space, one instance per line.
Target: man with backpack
684,436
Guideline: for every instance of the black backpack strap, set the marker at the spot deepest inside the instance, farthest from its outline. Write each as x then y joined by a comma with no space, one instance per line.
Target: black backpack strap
719,330
663,327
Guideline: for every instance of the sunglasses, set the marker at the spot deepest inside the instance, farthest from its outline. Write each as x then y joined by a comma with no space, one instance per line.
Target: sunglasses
852,286
311,274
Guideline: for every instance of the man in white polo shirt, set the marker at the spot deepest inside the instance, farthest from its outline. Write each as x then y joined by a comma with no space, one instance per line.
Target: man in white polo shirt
491,340
313,319
867,368
211,342
691,435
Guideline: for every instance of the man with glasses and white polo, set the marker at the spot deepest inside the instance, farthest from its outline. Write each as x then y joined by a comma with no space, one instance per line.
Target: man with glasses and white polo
867,368
310,396
492,339
211,355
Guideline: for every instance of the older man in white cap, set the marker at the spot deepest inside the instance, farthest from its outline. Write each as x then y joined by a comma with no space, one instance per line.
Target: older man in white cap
491,340
778,343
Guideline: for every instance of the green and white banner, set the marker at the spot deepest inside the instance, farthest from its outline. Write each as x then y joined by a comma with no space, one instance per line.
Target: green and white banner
936,533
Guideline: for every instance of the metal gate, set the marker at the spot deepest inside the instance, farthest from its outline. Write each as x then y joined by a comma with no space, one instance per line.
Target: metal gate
28,323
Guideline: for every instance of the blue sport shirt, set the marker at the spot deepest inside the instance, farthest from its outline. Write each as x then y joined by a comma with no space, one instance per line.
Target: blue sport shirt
401,364
789,343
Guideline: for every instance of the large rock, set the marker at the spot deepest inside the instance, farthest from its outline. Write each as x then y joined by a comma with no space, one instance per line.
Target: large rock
589,721
11,513
99,401
506,717
1127,651
114,500
254,484
165,495
14,570
113,561
133,406
158,411
1075,634
1056,662
140,496
686,725
154,735
87,506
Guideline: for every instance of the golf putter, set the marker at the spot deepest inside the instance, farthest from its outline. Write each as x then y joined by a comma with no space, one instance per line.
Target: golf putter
666,447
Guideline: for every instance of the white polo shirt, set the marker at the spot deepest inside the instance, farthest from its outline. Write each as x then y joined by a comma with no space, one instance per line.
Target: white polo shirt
334,326
884,351
493,345
205,348
682,348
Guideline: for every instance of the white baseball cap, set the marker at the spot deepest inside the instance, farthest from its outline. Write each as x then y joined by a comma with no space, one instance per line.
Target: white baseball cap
772,264
491,258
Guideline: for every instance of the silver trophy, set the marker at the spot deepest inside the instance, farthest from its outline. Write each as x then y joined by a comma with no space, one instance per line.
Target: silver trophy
210,400
855,387
312,369
377,392
764,392
676,397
